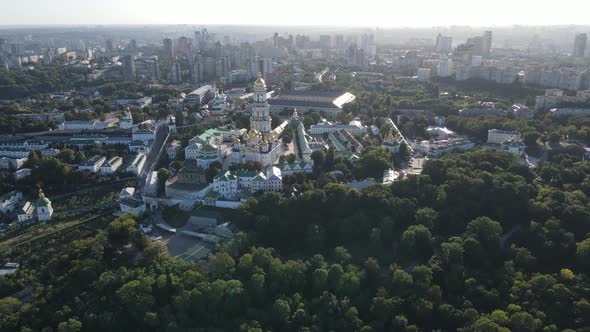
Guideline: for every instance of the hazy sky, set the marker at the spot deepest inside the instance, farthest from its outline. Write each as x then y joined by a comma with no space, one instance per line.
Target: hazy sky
382,13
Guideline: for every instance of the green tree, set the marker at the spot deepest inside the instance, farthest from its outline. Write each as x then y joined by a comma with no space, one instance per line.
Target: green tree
71,325
318,157
486,231
163,176
122,230
530,138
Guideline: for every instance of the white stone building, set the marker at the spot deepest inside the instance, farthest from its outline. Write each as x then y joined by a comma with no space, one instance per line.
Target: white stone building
92,164
172,149
43,208
9,201
126,122
260,144
143,135
497,136
78,125
205,154
231,185
354,127
269,181
514,147
26,212
129,204
111,166
296,167
137,164
439,148
126,192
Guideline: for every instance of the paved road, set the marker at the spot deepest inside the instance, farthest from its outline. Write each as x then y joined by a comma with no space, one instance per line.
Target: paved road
402,136
158,146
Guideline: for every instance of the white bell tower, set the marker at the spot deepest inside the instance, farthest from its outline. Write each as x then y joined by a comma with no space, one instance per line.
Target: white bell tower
260,119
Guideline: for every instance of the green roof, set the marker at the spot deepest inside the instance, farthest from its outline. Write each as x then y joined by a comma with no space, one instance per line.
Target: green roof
209,133
43,201
244,172
206,157
301,164
259,177
227,175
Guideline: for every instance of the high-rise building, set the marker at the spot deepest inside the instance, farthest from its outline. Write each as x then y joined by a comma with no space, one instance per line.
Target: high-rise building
48,56
16,49
260,66
175,73
183,46
201,39
209,67
486,44
129,67
168,48
369,45
147,67
445,68
444,44
220,50
109,46
356,56
197,41
197,70
132,44
325,42
339,41
580,45
423,74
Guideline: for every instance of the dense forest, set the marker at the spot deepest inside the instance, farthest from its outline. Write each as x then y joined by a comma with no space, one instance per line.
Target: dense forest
16,84
477,242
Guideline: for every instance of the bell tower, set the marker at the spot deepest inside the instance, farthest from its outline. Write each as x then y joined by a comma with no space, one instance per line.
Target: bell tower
260,119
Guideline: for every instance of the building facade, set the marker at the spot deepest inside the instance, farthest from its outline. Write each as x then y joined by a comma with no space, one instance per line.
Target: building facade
497,136
260,144
92,164
111,166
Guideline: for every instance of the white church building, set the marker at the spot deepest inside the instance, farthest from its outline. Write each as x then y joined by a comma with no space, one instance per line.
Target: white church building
261,143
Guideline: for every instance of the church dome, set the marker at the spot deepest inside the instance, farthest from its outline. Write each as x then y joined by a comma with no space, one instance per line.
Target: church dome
260,81
43,201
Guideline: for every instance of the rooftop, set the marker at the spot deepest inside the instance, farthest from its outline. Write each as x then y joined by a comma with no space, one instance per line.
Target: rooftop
201,90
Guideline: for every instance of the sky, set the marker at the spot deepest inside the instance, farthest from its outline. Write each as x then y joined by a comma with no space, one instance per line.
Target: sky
347,13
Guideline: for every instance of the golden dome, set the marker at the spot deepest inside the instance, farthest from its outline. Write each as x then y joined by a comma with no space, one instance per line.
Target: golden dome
260,81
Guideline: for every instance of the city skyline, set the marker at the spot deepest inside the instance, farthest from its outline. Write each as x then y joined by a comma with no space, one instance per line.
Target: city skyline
306,13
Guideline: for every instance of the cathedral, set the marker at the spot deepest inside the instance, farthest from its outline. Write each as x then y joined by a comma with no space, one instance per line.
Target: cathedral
261,143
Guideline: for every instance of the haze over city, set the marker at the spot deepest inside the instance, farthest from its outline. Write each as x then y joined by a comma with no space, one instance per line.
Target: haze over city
382,13
294,166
